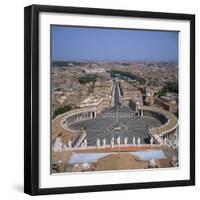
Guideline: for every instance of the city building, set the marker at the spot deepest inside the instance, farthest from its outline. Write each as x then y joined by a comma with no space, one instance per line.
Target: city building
94,70
131,95
167,103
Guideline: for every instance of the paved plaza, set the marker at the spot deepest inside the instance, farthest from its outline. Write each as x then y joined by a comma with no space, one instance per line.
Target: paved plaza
117,121
133,126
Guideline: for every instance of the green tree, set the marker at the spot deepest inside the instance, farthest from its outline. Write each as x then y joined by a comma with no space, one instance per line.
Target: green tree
172,86
114,73
61,110
88,78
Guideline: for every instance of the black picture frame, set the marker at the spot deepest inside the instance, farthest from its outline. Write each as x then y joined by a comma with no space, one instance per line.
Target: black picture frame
31,98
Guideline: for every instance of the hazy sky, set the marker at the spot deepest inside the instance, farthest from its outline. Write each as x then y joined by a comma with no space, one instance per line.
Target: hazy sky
79,43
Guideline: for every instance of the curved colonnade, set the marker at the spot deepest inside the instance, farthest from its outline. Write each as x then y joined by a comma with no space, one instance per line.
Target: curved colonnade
162,134
168,130
77,115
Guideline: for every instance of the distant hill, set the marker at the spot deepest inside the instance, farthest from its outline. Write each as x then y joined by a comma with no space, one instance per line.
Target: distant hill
66,63
83,63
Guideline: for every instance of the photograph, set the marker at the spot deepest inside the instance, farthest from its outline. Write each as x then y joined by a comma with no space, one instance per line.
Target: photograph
114,99
109,99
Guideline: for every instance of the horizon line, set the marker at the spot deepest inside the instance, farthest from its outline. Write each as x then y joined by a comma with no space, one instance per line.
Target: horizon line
176,61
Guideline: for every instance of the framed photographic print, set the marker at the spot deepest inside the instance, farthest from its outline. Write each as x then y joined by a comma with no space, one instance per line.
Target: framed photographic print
109,100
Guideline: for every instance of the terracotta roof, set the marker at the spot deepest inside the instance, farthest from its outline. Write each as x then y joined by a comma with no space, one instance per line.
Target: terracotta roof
164,163
119,161
64,156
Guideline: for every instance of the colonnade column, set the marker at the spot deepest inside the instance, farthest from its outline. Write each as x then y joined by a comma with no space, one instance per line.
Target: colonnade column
142,113
91,115
79,117
138,111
